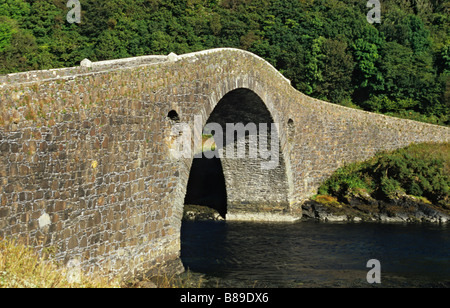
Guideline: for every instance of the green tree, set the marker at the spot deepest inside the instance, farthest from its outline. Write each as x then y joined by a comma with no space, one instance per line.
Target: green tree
418,35
6,34
367,77
325,47
18,48
15,9
337,67
406,74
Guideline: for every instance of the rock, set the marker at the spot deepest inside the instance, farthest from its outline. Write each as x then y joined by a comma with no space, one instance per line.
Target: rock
386,218
308,210
198,212
44,221
316,210
335,218
402,208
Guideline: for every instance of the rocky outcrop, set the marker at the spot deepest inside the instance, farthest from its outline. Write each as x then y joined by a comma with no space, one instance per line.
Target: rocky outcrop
199,212
363,208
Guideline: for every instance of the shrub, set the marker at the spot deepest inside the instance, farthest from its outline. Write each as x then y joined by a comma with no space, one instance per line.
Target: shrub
347,180
420,170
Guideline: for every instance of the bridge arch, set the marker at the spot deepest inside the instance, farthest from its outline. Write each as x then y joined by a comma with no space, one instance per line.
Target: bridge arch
245,176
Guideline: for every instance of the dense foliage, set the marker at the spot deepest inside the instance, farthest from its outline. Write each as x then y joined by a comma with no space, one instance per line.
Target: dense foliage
400,66
419,170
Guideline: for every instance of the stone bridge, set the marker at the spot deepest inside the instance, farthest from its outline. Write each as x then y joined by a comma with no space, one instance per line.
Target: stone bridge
88,160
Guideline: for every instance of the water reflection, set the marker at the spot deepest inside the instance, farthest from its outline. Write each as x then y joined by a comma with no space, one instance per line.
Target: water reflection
317,254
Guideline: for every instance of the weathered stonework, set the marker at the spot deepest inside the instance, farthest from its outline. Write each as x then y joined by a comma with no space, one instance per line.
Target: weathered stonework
85,166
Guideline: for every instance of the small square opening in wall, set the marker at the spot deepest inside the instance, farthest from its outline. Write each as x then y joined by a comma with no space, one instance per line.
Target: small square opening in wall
173,116
291,130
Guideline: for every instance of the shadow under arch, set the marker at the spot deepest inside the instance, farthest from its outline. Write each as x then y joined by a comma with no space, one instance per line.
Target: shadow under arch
206,185
241,188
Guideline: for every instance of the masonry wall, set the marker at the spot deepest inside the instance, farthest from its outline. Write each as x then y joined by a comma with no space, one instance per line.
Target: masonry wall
85,166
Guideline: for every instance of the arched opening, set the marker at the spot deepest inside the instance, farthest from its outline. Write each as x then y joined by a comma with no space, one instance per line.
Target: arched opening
252,186
246,177
206,185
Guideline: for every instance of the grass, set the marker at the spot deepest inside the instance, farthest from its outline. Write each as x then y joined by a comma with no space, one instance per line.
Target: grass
22,267
187,279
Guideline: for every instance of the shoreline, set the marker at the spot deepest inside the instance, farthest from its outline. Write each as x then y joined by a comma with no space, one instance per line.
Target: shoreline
403,209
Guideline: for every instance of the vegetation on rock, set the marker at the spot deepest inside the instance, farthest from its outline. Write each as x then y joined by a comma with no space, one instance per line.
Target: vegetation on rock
405,181
421,170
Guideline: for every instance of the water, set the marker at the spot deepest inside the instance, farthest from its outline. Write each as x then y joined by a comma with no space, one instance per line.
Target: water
313,254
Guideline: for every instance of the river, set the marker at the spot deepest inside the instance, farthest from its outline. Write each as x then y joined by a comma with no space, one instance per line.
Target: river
315,254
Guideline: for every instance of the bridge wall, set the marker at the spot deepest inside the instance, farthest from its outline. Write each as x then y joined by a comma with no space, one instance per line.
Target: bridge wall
85,161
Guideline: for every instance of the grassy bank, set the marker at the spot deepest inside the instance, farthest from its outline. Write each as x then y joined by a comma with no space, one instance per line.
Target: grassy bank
420,170
22,267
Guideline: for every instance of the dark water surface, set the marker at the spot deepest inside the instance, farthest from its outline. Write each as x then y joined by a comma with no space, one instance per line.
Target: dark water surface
313,254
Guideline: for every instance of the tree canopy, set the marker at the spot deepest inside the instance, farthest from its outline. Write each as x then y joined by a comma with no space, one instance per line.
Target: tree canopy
327,48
